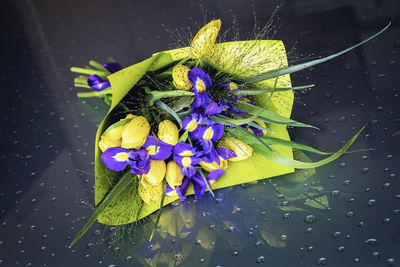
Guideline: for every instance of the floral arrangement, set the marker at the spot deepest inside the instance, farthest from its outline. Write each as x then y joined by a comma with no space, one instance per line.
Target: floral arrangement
192,120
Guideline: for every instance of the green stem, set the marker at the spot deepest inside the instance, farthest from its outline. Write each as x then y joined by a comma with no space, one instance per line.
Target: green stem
205,181
269,90
159,211
94,93
98,66
89,71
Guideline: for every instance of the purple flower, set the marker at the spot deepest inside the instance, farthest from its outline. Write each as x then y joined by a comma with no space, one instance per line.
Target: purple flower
199,185
139,160
161,151
186,157
115,158
200,80
190,123
97,83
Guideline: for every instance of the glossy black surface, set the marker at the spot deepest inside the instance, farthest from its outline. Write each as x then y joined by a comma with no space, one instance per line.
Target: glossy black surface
47,137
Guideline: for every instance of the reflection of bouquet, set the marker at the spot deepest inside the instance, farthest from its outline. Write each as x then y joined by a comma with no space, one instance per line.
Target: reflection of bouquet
193,119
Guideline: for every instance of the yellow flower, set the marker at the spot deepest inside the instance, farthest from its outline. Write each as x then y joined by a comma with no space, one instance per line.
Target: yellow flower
241,149
156,173
112,137
149,192
174,174
180,77
208,167
135,133
204,40
168,132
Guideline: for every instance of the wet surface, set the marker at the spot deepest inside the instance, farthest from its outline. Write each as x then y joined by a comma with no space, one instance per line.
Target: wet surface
342,214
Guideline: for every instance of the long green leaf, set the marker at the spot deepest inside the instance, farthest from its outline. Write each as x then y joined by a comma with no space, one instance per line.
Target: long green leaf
159,211
238,121
269,90
282,142
268,116
169,110
291,69
115,191
261,147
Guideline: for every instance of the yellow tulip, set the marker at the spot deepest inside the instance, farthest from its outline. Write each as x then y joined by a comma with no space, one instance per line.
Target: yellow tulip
156,173
173,175
208,167
168,132
204,40
241,149
180,77
135,133
112,137
150,193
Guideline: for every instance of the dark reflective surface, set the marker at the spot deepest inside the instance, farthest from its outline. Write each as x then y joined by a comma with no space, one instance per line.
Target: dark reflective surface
342,214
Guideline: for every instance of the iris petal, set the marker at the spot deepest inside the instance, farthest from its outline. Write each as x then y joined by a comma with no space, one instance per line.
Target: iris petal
98,83
114,160
162,152
199,186
214,175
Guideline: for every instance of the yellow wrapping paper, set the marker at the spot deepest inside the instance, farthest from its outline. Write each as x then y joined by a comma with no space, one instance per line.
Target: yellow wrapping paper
242,58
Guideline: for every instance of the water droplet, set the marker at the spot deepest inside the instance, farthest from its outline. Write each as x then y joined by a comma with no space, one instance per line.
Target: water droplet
310,218
341,249
375,255
335,193
349,214
337,234
235,253
260,259
322,261
286,216
356,260
371,203
283,237
390,261
386,221
308,230
372,241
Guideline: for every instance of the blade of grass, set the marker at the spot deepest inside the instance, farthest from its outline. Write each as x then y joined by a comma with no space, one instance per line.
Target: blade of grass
159,211
115,191
269,90
295,68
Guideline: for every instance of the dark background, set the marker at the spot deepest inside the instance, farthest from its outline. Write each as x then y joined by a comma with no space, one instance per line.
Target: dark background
47,133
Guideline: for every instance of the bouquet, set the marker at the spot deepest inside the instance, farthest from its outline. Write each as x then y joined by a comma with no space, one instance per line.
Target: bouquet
192,120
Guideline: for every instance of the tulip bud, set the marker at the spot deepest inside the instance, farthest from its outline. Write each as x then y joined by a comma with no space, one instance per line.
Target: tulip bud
150,193
156,173
168,132
135,133
174,174
180,77
204,40
241,149
112,137
208,167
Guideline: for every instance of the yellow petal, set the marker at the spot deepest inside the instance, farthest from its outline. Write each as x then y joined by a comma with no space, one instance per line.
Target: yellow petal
106,143
241,149
208,167
168,132
174,174
180,77
204,40
150,193
135,133
156,173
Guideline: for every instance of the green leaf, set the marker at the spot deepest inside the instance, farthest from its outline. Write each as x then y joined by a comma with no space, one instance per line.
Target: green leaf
237,121
184,136
115,191
268,116
281,142
153,96
263,148
167,109
295,68
159,211
269,90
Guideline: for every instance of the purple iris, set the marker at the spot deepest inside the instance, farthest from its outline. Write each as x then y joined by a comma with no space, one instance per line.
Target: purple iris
205,135
139,160
186,157
97,83
190,123
115,158
159,151
199,185
201,82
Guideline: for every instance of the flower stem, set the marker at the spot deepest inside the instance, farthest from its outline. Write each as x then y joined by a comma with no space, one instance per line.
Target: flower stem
94,93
